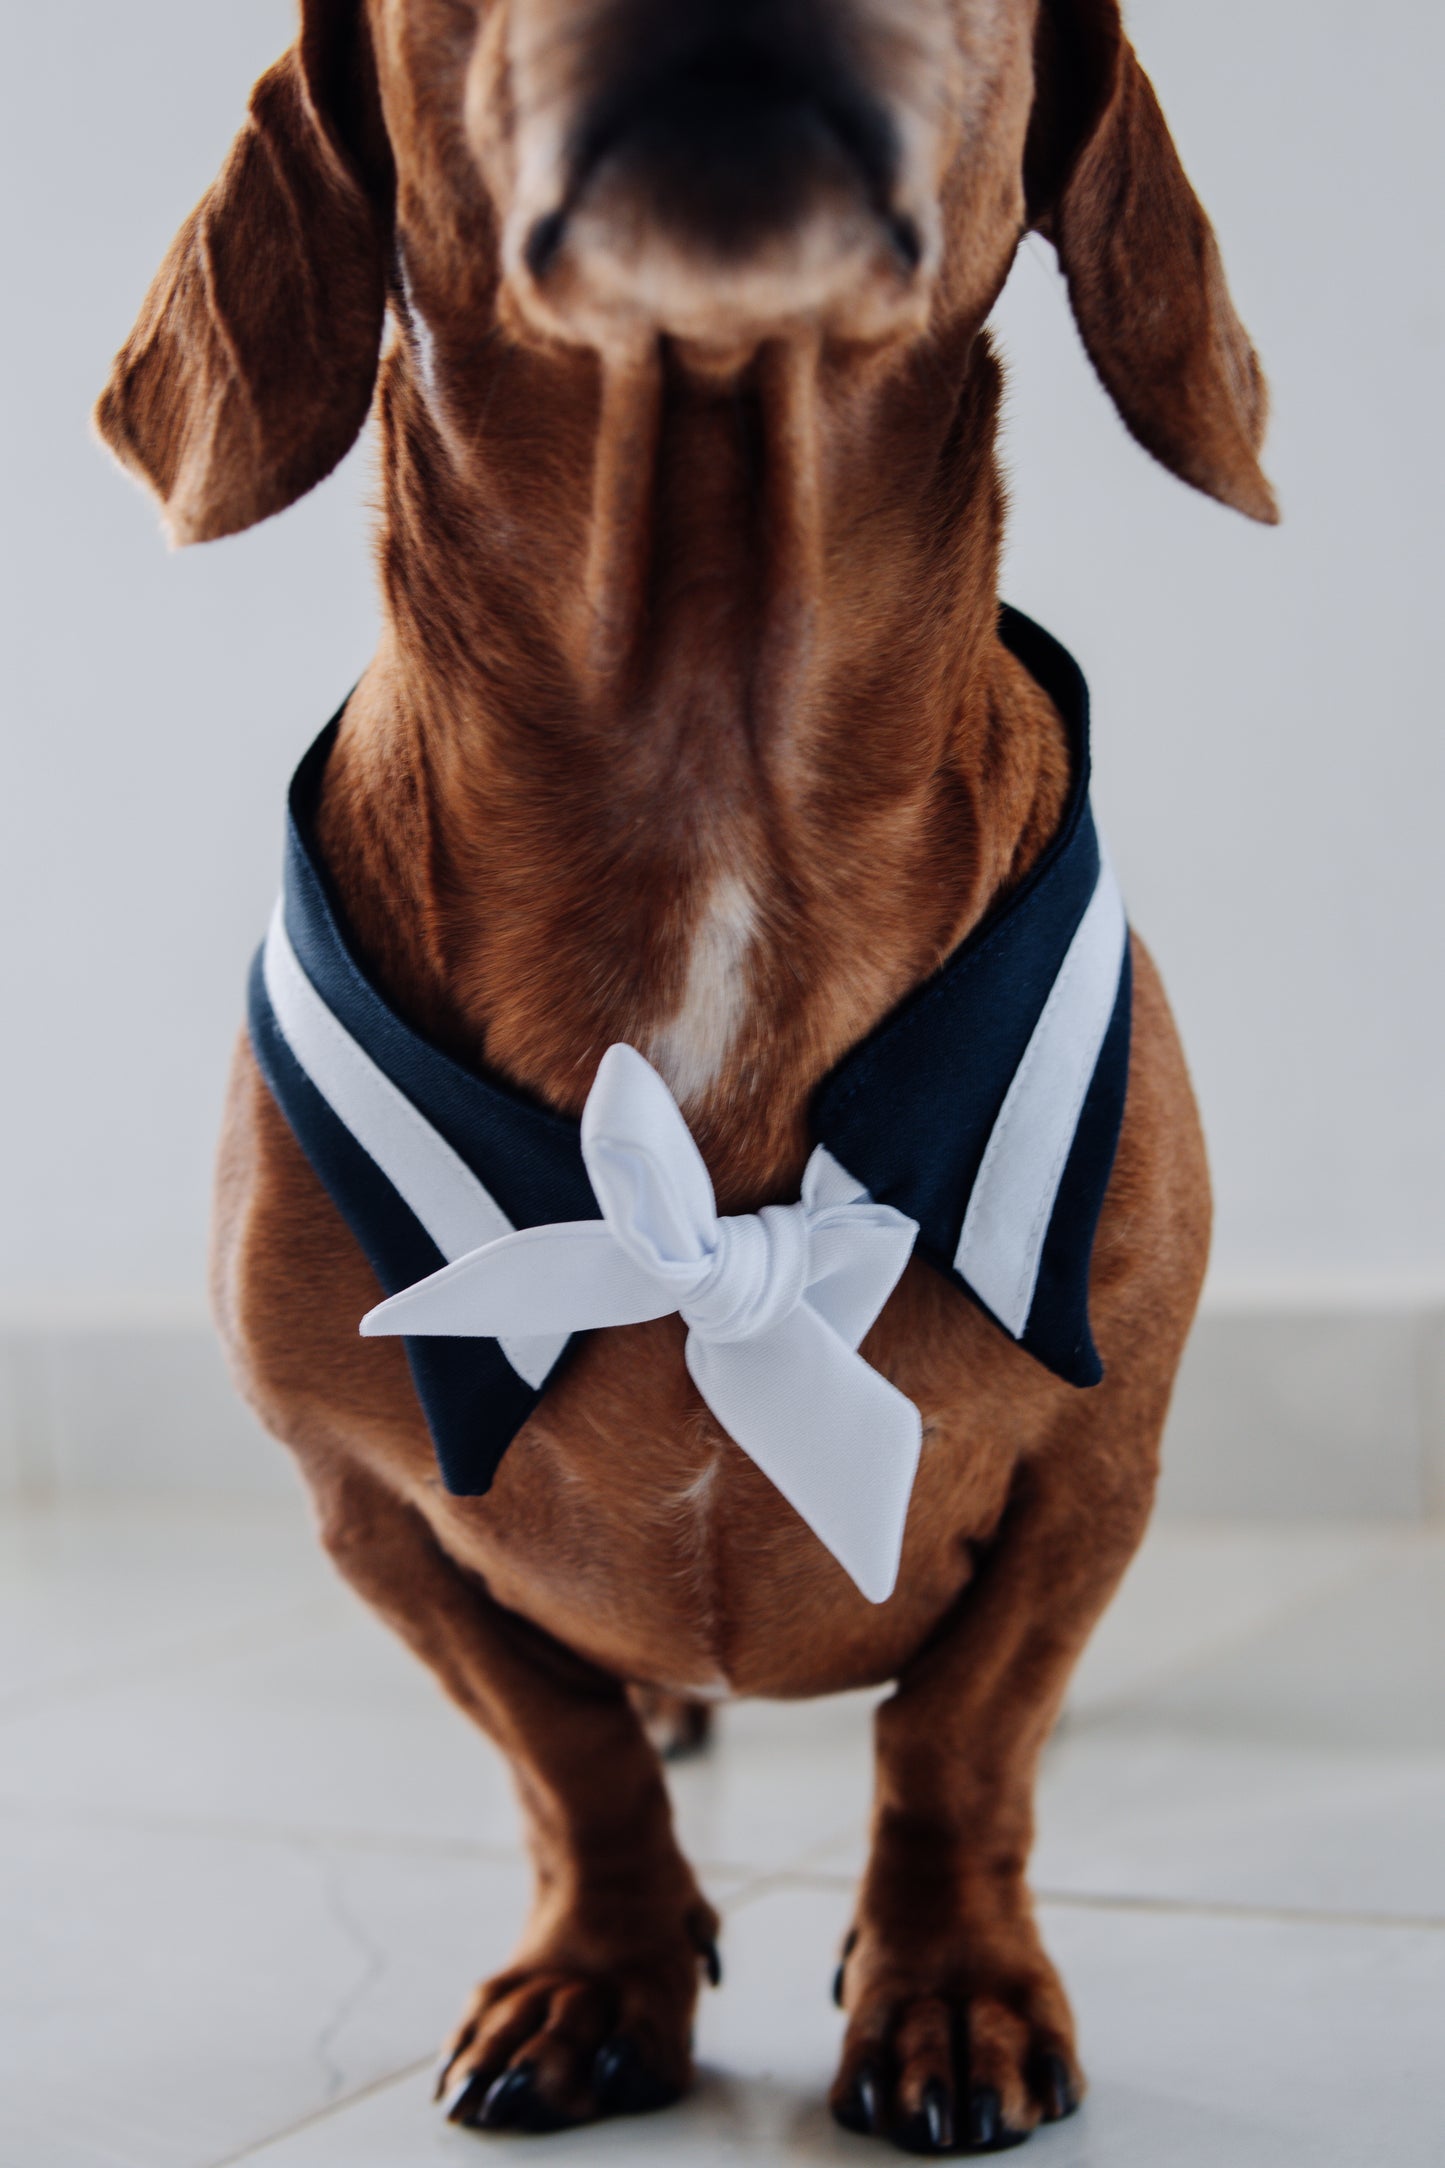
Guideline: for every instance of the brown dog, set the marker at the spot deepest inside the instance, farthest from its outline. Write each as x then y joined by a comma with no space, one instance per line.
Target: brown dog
691,727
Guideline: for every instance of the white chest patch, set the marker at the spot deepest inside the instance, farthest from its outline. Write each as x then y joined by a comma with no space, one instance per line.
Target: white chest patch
691,1048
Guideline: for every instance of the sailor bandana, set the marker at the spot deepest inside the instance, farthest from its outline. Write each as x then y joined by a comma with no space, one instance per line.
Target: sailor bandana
977,1122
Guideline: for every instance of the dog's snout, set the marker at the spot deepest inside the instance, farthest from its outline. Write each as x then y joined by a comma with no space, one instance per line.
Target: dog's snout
715,165
729,135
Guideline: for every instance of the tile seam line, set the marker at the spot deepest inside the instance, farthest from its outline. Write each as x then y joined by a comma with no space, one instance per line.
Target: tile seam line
261,2146
803,1878
1430,1923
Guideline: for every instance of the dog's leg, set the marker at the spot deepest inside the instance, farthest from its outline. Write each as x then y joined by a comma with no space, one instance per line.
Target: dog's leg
594,2014
960,2033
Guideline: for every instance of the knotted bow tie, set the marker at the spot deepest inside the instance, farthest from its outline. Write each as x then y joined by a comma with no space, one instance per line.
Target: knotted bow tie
776,1303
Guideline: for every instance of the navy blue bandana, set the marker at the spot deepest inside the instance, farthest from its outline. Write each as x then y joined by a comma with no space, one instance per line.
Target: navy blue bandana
986,1108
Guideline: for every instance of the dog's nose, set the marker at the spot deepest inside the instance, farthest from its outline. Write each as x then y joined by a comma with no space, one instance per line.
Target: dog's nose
711,167
729,135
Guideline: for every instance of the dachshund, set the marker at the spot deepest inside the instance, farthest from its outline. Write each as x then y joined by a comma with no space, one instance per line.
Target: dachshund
694,729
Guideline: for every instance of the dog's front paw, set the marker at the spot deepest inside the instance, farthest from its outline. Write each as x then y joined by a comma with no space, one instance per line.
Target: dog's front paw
953,2058
557,2041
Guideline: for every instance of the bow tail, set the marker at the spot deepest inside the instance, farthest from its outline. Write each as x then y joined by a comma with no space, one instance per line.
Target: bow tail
827,1430
531,1291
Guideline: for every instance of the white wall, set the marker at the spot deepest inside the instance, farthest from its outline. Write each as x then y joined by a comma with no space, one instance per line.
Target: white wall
1270,741
1270,756
153,703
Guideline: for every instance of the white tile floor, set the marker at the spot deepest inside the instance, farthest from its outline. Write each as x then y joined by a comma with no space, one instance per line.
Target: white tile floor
250,1863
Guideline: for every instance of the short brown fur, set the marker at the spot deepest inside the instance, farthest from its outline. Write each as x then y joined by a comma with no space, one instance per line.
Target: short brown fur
690,627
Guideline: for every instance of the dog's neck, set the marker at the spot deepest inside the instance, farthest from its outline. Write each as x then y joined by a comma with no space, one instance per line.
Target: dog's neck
691,726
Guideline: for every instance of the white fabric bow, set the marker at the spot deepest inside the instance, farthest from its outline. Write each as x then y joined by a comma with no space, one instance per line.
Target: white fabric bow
776,1303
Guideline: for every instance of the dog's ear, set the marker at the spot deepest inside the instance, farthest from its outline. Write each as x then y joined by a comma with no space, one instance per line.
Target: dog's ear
1144,274
251,367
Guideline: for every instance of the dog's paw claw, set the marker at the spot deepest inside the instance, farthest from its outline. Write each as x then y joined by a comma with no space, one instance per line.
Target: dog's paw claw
984,2119
850,1944
1056,2089
930,2128
987,2130
861,2109
611,2073
463,2103
702,1930
624,2084
511,2102
938,2115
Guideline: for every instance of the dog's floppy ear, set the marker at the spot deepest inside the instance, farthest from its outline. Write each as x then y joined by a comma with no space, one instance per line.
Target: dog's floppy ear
1142,264
251,367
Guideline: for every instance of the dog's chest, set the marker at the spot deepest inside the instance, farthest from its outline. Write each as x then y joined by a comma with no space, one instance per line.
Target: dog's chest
974,1125
691,1048
627,1527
